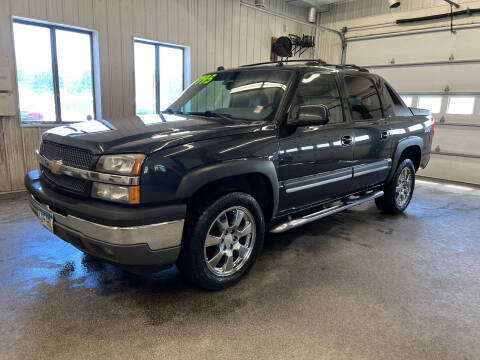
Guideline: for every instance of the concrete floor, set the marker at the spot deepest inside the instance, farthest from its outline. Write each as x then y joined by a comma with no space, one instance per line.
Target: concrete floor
358,285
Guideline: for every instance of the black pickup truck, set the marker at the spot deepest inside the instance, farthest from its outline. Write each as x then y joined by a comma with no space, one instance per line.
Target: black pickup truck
265,147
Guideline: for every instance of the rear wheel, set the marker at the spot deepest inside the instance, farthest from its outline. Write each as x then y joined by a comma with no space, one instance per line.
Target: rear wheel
222,243
399,192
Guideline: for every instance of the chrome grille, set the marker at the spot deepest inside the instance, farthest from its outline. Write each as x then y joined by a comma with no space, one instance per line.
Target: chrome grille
70,156
68,183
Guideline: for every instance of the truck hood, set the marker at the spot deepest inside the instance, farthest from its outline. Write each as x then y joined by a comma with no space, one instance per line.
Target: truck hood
145,134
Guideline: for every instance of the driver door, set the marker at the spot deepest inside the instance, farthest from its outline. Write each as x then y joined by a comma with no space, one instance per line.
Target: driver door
315,162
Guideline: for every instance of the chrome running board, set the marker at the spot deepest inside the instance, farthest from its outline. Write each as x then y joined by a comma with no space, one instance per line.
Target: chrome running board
324,213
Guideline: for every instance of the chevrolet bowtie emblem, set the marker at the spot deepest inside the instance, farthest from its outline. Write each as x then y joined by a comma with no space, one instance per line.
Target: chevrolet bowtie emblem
55,166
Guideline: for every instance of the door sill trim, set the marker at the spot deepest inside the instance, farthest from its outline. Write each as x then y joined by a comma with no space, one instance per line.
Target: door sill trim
291,224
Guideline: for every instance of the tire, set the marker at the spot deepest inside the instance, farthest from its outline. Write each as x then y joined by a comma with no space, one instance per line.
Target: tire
217,248
393,201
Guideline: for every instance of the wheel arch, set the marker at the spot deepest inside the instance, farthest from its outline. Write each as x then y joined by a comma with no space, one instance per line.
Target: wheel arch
412,148
255,176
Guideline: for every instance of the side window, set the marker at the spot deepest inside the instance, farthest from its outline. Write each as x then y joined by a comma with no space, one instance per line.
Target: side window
321,89
363,98
398,107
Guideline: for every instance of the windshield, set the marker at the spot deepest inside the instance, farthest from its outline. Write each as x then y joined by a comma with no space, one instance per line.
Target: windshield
246,94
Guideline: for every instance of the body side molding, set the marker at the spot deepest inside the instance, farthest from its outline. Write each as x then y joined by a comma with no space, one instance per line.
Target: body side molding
376,166
311,181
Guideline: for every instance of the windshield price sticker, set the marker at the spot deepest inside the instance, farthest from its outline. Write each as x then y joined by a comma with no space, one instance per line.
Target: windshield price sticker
205,79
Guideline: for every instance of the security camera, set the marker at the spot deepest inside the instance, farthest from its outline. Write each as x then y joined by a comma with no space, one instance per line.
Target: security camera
393,4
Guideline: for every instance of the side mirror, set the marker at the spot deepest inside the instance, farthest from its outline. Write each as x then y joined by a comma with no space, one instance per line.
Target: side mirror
309,115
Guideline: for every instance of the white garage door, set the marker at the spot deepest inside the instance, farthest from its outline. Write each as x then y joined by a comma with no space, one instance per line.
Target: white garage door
440,71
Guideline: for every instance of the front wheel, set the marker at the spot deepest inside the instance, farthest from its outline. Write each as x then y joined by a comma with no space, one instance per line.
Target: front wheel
399,192
223,242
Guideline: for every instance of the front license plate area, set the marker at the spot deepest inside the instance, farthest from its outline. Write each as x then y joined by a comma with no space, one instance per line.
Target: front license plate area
45,218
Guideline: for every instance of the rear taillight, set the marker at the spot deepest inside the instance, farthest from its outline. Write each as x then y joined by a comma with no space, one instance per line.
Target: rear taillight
430,123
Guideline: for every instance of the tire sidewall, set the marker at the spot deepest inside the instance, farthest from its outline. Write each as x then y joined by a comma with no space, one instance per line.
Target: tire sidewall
197,238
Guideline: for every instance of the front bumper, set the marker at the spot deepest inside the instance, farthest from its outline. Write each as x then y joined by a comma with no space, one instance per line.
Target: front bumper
152,244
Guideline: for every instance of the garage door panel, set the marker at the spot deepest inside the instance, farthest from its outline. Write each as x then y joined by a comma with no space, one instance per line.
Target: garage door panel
467,170
460,78
412,48
457,140
423,65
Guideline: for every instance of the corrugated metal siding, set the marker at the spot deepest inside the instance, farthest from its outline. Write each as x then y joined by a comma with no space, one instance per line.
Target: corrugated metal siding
219,32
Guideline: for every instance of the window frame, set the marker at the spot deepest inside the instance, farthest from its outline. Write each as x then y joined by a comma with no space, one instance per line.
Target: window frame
449,99
55,76
157,67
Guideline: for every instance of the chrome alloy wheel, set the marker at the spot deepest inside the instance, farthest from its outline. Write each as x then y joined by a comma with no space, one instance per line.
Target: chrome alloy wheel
404,187
230,241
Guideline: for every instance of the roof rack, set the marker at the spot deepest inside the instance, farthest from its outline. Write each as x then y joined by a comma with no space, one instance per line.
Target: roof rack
312,62
280,62
352,67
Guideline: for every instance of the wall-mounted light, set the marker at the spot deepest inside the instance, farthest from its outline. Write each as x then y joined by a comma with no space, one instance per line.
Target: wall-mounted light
260,3
312,15
393,4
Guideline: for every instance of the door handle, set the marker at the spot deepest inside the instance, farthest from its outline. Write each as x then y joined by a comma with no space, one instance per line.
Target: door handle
346,140
385,135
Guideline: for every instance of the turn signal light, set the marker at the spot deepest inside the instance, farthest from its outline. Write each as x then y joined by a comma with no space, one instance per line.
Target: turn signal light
135,194
137,167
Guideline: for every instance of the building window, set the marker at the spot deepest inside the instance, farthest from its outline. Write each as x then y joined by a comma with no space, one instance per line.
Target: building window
408,100
55,72
159,76
461,105
432,103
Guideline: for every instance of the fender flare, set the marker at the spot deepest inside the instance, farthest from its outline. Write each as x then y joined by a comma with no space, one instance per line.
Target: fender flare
402,145
198,178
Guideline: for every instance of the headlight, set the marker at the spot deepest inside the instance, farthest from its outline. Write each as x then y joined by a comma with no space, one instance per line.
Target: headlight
116,193
129,164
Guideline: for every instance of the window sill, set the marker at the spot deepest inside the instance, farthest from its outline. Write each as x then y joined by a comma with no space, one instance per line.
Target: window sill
40,124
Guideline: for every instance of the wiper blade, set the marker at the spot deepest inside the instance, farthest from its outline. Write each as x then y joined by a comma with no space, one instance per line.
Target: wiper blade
209,113
172,112
169,111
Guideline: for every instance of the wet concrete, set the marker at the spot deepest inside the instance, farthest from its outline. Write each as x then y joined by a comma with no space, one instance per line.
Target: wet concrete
358,285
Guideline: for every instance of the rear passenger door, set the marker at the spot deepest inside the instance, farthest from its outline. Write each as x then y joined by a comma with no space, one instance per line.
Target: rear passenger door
372,148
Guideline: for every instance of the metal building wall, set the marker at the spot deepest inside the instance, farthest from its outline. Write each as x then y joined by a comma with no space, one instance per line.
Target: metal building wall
219,32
